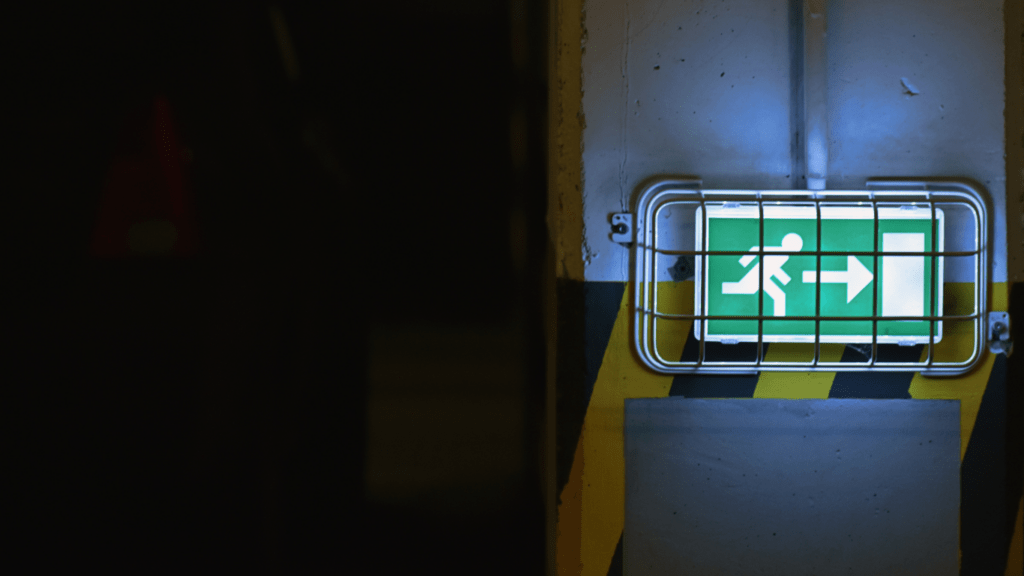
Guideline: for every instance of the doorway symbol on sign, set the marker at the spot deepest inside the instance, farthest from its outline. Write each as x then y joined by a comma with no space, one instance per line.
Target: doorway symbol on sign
791,242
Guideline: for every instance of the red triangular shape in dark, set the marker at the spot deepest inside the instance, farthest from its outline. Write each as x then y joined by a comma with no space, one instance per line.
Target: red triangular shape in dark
146,207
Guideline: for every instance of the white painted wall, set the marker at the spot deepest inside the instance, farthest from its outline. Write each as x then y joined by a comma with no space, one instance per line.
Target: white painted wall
702,88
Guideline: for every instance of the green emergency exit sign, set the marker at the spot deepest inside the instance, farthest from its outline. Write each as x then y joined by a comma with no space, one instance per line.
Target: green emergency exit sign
787,284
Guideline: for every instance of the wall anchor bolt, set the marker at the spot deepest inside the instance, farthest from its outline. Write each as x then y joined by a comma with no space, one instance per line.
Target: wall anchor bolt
622,228
999,341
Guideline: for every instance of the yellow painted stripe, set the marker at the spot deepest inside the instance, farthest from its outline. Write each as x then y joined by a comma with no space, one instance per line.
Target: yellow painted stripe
795,385
604,466
967,389
1001,296
598,471
970,388
956,345
1015,558
591,515
567,539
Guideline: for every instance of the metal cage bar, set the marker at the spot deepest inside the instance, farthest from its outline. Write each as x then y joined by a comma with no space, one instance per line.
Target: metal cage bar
889,194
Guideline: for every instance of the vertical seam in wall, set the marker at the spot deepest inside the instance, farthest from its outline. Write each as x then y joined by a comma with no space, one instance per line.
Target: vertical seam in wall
566,125
796,93
585,250
623,190
625,112
1013,19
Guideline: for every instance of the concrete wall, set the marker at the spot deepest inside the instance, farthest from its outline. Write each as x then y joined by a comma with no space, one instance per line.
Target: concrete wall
641,89
707,89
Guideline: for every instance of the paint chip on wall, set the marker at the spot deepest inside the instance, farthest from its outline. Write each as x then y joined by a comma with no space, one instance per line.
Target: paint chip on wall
908,88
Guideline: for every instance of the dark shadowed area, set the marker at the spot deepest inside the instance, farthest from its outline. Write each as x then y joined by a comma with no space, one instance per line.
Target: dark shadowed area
275,286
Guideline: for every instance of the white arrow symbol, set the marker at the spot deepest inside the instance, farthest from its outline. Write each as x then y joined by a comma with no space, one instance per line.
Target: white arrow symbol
856,277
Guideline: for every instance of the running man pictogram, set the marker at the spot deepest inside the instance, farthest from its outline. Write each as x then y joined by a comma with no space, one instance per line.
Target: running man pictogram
791,242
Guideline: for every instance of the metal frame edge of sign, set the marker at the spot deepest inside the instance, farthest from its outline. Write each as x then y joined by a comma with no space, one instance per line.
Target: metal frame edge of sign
834,213
877,190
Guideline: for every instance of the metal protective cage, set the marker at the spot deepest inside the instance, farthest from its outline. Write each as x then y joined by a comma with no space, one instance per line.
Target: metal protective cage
667,313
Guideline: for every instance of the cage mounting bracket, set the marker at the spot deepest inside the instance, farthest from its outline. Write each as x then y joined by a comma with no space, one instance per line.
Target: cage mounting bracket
622,228
999,341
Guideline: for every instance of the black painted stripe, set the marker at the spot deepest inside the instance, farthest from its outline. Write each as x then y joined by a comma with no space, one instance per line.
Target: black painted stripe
876,385
986,497
984,539
586,316
616,567
1015,411
713,386
706,386
601,301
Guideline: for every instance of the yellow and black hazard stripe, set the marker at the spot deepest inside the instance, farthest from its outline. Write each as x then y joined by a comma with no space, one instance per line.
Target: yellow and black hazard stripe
598,370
